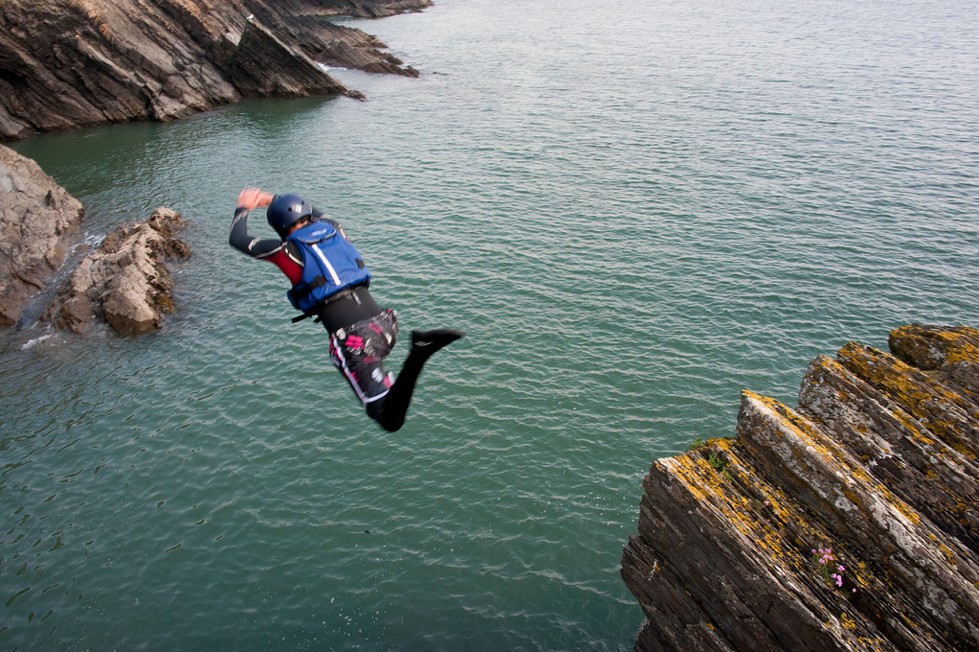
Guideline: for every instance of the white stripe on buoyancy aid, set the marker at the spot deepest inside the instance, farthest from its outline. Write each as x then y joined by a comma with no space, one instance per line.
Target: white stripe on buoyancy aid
319,254
330,264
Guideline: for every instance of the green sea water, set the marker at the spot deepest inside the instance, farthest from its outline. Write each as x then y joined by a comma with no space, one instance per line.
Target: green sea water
633,212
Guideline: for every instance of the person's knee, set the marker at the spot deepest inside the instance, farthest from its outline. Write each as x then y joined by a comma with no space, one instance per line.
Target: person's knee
392,426
375,411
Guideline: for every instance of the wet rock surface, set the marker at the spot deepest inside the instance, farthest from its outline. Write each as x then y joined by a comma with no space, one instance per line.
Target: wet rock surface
125,283
874,473
37,221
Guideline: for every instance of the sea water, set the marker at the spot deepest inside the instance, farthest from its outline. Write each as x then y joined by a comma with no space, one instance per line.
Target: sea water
634,212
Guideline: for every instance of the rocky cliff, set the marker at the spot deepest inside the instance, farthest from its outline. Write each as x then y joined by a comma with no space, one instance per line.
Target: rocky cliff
67,64
37,221
849,523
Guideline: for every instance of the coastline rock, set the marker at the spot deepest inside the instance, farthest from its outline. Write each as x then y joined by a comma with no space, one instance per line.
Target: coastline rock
264,66
66,64
374,9
125,283
876,468
37,217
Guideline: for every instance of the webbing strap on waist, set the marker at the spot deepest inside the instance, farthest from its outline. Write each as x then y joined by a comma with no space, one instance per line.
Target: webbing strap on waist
342,294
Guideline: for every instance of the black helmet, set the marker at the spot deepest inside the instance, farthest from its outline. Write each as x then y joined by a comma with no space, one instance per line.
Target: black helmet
286,210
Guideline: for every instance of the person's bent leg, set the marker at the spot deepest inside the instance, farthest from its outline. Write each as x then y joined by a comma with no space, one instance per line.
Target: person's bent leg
358,351
391,410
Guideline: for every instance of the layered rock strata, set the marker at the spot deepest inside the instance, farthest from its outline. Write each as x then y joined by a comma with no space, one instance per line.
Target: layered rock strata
67,64
125,283
37,221
875,473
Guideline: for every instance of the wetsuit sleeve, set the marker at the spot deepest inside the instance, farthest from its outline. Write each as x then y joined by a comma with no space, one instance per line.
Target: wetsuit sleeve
283,254
254,247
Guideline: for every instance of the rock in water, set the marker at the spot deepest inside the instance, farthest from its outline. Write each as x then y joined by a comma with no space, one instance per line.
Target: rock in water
37,217
850,523
125,283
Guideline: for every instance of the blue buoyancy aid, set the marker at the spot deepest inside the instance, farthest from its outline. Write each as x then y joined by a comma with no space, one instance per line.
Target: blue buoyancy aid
330,264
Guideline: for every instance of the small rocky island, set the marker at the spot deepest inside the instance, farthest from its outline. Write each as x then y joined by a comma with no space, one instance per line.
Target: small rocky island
848,523
126,282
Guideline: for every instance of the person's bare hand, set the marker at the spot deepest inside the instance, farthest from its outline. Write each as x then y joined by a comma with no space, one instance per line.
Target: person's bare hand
252,198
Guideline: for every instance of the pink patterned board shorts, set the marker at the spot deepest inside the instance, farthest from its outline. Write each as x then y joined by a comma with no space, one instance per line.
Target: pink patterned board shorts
358,351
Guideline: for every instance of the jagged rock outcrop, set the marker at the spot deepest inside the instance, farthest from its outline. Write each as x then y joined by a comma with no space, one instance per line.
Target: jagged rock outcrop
67,64
126,282
37,219
263,66
877,469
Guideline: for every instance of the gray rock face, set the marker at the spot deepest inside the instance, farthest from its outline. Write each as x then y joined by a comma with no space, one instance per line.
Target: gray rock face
874,473
37,217
264,66
66,64
126,282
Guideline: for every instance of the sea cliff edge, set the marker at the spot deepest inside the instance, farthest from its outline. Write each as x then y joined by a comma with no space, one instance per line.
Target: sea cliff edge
67,64
848,523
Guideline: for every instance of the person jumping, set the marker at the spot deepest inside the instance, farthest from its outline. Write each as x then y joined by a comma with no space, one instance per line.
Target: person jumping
330,282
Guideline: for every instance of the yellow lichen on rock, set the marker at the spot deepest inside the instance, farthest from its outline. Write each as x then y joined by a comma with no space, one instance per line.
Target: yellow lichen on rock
872,472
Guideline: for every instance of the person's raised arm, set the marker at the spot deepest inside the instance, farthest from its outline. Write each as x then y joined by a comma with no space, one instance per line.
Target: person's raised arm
248,200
